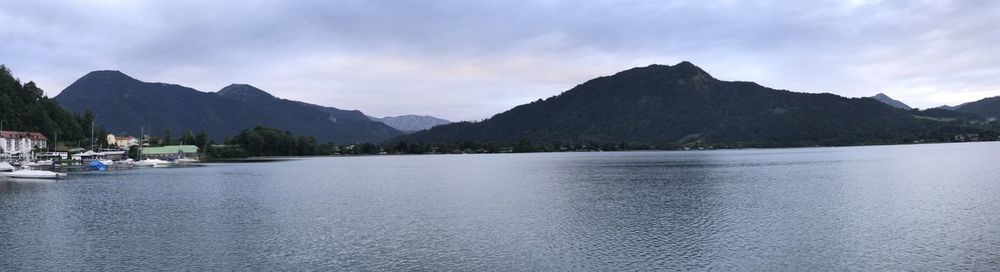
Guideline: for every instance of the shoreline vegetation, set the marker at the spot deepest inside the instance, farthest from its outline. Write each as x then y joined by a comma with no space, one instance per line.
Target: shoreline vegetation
540,149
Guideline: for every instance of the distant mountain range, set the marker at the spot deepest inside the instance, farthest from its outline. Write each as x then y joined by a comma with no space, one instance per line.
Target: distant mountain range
881,97
987,107
656,105
123,104
411,123
684,105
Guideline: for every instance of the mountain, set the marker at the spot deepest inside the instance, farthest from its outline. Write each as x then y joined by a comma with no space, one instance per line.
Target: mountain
987,107
411,123
684,105
881,97
124,104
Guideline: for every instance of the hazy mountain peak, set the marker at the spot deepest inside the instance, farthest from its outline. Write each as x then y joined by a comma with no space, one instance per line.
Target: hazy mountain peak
243,90
881,97
411,123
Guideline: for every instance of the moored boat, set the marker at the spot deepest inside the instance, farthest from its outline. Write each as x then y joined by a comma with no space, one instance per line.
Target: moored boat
6,167
34,174
151,162
185,160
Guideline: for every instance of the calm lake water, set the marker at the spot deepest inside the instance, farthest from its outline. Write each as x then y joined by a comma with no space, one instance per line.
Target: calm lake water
915,207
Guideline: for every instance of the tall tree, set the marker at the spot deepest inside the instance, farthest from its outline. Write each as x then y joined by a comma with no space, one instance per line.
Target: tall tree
201,139
166,137
187,138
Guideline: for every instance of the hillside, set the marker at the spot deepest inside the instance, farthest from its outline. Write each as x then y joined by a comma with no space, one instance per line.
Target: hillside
684,105
124,104
987,107
24,107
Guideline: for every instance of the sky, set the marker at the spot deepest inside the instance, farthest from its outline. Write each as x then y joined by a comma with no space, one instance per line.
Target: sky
468,60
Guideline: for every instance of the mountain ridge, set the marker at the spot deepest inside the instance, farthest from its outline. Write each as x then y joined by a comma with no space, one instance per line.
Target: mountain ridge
685,105
124,104
988,107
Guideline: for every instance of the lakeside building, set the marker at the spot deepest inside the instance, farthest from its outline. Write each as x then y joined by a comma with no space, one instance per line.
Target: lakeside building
89,155
170,152
123,142
21,141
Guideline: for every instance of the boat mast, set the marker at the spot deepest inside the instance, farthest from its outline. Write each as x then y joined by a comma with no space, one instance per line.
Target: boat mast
92,135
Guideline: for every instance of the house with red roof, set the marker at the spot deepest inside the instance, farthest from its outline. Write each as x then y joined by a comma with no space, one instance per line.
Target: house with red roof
21,141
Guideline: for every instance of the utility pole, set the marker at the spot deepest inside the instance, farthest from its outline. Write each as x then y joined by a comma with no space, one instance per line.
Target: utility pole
92,136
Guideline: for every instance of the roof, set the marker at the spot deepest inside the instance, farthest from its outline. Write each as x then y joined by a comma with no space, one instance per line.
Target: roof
22,135
170,149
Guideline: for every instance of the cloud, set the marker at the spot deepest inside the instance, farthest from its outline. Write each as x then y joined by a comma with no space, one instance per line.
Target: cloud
467,60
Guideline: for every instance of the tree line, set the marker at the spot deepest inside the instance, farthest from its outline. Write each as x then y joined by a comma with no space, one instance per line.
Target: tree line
25,107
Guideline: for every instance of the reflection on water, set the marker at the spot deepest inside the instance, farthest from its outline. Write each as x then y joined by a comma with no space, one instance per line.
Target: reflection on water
922,207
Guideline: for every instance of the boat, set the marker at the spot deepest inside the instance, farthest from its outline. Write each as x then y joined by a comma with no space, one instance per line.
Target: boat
185,160
164,164
150,162
34,174
6,167
97,165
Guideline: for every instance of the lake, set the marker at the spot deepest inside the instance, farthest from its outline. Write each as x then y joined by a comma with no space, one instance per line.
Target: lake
911,207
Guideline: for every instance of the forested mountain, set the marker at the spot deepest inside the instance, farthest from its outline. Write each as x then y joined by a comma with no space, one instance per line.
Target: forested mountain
24,107
987,107
124,104
325,123
881,97
683,105
412,123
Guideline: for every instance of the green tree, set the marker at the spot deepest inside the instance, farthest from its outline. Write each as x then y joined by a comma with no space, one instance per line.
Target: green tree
166,137
187,138
201,139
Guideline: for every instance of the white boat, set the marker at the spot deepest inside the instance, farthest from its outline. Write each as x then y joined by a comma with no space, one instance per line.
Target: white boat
34,174
6,167
151,162
44,163
164,164
185,160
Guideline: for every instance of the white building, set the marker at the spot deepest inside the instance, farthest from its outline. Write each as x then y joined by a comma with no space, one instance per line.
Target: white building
123,142
21,142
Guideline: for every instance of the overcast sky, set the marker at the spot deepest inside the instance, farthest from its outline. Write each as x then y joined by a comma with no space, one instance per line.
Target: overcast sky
468,60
